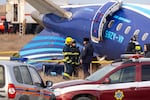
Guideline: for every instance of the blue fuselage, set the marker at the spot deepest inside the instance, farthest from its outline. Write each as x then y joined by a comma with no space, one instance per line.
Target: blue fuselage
115,36
86,21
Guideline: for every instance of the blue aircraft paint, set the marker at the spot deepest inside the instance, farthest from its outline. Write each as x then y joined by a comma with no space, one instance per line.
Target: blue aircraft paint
114,42
114,36
45,52
48,38
44,43
88,9
36,44
122,19
44,58
40,50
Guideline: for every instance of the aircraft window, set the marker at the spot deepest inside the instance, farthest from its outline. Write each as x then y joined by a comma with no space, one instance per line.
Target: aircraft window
110,23
136,32
119,26
127,30
145,36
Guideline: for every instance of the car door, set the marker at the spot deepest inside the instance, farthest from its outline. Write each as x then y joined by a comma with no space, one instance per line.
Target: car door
3,94
30,92
122,85
37,82
143,89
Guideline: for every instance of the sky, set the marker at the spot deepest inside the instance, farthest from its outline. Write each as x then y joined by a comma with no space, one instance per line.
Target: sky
2,1
96,1
71,1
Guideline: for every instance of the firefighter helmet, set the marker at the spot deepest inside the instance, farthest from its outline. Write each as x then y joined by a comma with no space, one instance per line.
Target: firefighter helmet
68,40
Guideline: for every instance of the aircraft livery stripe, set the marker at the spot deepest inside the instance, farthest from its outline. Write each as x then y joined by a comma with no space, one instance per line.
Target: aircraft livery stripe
43,46
48,57
39,60
138,9
22,53
46,40
31,45
48,37
44,60
43,55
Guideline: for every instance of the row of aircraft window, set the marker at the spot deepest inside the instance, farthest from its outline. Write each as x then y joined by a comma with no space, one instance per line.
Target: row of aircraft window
127,30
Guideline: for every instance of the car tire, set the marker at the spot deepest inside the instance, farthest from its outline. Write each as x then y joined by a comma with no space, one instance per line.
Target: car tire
83,98
52,97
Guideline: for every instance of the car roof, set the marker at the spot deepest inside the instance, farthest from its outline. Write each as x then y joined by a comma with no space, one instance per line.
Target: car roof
139,60
130,60
11,63
143,60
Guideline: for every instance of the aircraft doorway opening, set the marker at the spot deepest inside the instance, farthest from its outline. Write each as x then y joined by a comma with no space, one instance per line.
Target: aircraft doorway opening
99,20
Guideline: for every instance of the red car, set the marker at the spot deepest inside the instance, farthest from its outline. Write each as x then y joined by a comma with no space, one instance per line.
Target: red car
126,79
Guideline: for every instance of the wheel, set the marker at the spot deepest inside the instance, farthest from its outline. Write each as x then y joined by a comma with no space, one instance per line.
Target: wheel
52,97
83,98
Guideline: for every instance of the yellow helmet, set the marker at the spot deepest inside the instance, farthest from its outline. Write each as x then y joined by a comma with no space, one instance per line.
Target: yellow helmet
68,40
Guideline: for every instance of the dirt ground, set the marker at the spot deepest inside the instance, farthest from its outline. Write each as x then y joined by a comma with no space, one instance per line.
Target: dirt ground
13,42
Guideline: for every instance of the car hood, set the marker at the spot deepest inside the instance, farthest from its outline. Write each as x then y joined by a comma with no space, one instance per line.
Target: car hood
70,83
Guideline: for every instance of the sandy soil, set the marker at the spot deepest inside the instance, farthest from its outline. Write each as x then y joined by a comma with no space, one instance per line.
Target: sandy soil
13,42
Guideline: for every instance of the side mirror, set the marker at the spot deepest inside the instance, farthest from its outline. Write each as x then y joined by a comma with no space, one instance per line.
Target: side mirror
49,83
37,84
107,81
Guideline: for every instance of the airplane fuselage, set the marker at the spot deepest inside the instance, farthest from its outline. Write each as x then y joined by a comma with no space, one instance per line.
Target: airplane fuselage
130,19
109,26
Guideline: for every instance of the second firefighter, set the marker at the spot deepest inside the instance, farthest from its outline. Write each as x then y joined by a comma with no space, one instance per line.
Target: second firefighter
75,58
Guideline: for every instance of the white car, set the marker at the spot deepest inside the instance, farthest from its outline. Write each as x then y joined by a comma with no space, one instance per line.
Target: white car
20,81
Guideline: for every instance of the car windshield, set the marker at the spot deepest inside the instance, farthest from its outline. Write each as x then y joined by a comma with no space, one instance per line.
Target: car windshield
102,72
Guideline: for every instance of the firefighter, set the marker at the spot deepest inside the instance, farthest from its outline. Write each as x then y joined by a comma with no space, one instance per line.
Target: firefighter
75,58
86,56
134,46
67,59
147,50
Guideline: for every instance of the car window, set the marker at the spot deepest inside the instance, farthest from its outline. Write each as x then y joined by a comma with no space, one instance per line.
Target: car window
35,76
2,76
101,72
123,75
146,73
26,75
17,74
